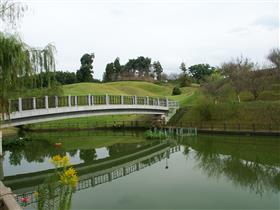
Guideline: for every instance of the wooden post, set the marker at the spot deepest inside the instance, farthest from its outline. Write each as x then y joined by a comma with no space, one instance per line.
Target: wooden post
8,198
135,99
147,100
158,102
122,101
1,168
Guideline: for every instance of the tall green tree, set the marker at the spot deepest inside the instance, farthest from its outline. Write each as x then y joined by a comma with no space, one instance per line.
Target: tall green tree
109,71
184,78
84,74
183,68
158,69
200,71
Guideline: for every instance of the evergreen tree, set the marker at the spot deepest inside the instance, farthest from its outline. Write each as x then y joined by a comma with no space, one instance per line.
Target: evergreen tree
84,74
158,69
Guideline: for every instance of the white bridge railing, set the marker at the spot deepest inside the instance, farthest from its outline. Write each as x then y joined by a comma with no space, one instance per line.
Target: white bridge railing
47,102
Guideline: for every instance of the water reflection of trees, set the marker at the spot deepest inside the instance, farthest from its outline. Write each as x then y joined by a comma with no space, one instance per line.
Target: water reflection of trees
256,175
40,150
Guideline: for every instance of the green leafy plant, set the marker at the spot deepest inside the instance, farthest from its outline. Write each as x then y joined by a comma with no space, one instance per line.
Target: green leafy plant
176,91
155,135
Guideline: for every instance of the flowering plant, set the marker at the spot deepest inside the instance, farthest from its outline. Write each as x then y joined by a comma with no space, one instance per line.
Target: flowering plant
56,191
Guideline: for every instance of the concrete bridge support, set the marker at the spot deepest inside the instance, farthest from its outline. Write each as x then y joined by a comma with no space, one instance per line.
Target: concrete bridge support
158,120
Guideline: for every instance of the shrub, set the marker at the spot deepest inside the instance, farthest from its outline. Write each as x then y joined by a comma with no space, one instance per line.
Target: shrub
155,135
176,91
205,108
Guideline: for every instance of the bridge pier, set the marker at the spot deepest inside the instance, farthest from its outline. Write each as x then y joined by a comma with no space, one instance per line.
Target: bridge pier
159,120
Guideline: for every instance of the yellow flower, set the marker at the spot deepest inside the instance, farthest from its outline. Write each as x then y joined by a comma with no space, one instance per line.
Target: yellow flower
73,180
56,158
70,172
65,161
69,177
59,161
36,194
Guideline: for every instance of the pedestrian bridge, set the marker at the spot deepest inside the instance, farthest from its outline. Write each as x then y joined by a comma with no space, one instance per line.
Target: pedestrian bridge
34,110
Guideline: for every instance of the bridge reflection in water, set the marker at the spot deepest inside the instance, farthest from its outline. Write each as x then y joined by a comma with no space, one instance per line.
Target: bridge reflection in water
90,177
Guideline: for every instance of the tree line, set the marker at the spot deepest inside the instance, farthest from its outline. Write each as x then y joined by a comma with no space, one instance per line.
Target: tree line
243,75
140,68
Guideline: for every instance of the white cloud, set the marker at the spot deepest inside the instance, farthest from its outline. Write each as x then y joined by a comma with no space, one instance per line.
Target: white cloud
190,31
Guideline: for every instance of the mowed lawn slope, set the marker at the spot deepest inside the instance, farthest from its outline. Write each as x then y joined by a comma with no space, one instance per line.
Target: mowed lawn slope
131,88
118,88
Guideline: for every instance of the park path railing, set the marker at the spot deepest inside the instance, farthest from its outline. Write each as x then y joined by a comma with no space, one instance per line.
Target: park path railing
229,127
23,104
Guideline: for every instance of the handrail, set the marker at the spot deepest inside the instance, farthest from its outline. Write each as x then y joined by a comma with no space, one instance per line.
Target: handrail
47,102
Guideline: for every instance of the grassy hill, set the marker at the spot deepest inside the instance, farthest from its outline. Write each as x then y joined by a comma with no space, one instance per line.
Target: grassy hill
189,94
130,88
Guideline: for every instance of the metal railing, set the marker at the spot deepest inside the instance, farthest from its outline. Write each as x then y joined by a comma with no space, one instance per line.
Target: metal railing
22,104
235,127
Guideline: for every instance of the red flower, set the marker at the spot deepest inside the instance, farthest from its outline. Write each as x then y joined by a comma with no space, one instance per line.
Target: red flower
24,199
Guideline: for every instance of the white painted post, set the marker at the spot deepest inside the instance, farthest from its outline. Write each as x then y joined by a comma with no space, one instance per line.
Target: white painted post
89,103
1,151
135,99
147,100
56,101
92,100
46,102
69,100
34,102
107,99
166,102
122,101
158,103
19,104
76,100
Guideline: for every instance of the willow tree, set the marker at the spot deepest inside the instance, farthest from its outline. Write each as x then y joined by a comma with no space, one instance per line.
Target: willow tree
18,63
11,11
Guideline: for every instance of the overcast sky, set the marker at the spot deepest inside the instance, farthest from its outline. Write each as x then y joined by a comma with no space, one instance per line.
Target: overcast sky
168,31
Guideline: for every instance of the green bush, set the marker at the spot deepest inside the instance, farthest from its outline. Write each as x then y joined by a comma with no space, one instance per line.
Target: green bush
205,109
155,135
176,91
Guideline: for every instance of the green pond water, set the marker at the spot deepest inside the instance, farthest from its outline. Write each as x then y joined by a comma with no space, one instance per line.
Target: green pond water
123,170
